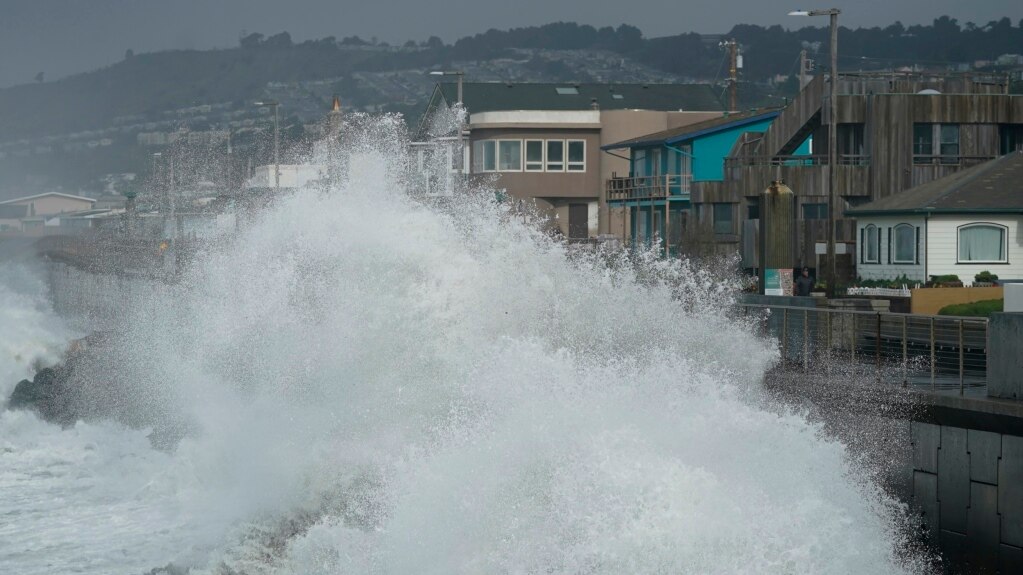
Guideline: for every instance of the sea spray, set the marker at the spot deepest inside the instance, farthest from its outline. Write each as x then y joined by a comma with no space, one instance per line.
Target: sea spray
366,384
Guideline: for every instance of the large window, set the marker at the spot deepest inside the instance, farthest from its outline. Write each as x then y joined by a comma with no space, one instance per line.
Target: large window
484,156
723,223
577,155
509,155
555,156
850,144
869,240
905,244
1010,137
982,243
534,155
815,211
529,156
936,143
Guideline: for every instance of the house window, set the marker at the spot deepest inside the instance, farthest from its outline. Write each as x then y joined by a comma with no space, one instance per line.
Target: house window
723,223
509,157
577,155
949,134
815,211
905,244
982,243
534,155
484,156
870,238
752,208
555,156
924,149
1011,138
850,143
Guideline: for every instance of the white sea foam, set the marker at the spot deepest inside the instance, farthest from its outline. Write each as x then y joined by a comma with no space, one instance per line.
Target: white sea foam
372,386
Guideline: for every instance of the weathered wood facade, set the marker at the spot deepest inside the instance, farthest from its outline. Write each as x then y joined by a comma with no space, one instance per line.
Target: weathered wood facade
876,117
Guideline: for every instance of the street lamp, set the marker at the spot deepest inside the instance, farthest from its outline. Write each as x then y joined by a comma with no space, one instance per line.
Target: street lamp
277,159
832,138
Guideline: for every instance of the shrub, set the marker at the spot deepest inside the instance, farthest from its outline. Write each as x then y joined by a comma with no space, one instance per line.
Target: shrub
986,277
983,308
947,278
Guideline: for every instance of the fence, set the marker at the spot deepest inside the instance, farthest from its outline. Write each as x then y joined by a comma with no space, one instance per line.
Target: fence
942,352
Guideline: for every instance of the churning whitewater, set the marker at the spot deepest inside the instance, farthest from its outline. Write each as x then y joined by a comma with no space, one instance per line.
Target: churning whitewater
359,383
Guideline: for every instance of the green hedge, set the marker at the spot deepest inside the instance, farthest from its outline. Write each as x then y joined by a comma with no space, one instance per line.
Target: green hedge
982,308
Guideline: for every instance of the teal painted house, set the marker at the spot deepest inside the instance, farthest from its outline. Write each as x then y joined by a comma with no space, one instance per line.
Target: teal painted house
667,166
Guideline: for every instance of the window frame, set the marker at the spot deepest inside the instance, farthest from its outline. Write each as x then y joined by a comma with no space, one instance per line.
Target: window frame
479,156
547,158
871,232
498,154
569,164
714,218
937,143
1005,243
895,243
525,156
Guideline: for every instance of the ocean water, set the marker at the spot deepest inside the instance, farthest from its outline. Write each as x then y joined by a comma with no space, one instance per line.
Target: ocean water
364,384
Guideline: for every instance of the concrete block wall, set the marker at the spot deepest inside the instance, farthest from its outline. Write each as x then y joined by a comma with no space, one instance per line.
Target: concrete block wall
968,489
1004,361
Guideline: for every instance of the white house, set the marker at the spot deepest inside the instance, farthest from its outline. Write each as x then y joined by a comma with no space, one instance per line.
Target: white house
962,224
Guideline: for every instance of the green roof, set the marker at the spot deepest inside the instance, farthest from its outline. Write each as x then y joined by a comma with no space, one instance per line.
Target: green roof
500,96
996,186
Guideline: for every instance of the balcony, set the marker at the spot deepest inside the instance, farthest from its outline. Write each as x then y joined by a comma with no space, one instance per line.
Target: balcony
675,186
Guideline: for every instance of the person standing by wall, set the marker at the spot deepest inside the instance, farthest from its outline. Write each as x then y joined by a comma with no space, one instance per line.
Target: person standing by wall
804,283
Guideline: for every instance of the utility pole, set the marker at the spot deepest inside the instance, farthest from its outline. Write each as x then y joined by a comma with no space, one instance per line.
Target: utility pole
733,73
802,69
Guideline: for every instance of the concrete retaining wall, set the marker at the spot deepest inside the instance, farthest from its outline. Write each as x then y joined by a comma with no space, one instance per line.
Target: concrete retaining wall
968,487
1005,360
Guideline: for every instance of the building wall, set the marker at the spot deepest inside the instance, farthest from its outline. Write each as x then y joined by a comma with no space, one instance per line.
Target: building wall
943,247
887,269
621,125
709,152
50,205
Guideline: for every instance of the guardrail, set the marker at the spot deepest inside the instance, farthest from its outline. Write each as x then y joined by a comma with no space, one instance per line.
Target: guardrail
648,187
940,351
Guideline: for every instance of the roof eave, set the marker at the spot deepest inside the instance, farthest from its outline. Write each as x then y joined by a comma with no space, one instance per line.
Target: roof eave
930,211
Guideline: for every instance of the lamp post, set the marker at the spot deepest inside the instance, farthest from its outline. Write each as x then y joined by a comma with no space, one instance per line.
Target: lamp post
459,74
832,138
277,158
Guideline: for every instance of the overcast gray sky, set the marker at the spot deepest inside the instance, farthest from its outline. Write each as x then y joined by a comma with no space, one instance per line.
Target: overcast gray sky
61,37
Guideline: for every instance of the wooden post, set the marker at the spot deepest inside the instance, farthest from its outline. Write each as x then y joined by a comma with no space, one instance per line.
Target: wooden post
961,356
905,354
933,354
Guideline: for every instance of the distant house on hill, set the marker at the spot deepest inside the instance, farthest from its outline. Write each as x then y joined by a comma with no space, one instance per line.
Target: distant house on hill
39,207
962,224
543,141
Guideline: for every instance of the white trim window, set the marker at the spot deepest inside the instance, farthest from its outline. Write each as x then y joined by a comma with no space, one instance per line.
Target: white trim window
509,155
484,156
904,238
982,243
555,155
577,155
870,252
534,155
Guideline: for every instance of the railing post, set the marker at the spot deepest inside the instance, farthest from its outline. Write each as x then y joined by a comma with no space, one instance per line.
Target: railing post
784,333
852,342
905,355
961,356
933,354
806,340
877,349
827,356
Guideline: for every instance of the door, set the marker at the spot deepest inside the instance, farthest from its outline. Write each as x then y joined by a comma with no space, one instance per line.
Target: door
578,220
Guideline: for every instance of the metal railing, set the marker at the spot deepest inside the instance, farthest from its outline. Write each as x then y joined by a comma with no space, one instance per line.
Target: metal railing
939,352
796,160
648,187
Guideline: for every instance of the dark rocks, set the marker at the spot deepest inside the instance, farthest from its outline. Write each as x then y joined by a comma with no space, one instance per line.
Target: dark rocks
48,393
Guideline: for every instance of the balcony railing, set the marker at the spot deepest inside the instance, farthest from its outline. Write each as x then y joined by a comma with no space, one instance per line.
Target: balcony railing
801,160
676,186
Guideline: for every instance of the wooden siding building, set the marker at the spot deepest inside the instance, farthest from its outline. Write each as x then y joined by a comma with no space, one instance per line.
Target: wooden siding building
894,131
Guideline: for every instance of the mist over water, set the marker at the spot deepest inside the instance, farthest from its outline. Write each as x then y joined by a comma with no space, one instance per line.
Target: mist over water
360,383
